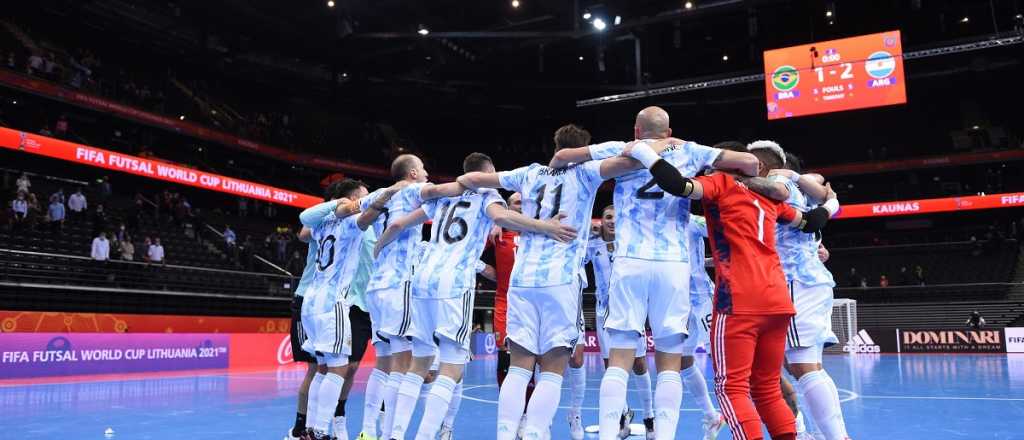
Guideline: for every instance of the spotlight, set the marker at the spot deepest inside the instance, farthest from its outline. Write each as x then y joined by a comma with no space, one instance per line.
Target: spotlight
14,101
688,5
344,74
828,13
618,20
581,57
599,24
515,3
423,30
831,22
181,118
586,15
966,19
975,127
725,57
330,3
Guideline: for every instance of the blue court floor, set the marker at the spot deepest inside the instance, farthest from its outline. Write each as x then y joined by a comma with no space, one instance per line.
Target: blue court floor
884,397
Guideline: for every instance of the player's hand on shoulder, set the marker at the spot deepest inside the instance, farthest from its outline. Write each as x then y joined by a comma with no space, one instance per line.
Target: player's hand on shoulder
560,232
831,194
789,174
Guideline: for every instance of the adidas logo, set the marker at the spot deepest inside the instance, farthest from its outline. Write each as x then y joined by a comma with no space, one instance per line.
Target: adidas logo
862,343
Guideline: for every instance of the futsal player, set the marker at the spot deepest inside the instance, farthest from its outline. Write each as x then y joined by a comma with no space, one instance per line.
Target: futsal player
699,325
443,288
544,297
752,307
810,285
386,293
601,255
651,253
324,311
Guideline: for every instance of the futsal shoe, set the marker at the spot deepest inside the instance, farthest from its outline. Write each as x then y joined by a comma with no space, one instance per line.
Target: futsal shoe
624,422
649,427
713,426
289,435
338,427
365,436
447,432
575,426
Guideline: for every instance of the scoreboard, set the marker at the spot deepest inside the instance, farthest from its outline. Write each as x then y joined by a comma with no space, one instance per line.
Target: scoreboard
836,75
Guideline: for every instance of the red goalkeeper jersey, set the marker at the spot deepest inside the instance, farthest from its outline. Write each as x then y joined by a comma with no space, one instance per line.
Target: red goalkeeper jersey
741,230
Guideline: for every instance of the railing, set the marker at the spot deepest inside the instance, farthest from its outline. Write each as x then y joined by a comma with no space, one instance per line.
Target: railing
32,269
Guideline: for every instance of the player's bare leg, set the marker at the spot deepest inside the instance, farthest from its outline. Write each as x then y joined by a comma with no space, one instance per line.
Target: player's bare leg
301,410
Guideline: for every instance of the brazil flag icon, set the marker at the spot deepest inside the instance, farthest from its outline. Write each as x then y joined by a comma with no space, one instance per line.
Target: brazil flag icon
785,78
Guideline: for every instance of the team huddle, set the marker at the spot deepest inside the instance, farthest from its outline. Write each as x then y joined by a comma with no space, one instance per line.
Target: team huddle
768,308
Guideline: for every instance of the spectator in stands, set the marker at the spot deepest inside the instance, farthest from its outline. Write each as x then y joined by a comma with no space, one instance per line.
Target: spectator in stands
295,264
50,66
121,234
35,64
976,321
45,131
105,189
919,275
61,127
56,215
77,204
127,249
883,281
34,211
146,244
855,279
229,236
282,247
99,219
58,196
903,279
156,252
101,247
23,183
20,208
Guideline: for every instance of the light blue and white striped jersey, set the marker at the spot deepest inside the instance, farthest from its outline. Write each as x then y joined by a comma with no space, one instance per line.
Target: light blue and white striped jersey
798,250
458,234
650,224
357,291
701,286
601,254
394,263
337,242
307,272
542,261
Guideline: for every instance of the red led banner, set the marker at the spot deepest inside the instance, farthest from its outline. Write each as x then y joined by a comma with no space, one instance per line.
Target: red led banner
928,206
111,160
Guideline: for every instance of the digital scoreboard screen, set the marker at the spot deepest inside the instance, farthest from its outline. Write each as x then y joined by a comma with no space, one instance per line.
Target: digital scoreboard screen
837,75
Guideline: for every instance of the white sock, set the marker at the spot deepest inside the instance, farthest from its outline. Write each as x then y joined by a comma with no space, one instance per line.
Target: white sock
390,400
453,407
612,401
405,404
668,395
511,401
436,407
821,398
577,387
695,383
327,401
643,385
836,402
374,397
543,405
800,426
313,398
425,389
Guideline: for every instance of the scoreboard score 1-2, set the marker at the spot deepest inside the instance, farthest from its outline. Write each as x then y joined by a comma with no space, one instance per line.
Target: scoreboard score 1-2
837,75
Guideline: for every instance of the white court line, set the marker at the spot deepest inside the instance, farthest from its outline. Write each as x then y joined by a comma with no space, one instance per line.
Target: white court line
997,399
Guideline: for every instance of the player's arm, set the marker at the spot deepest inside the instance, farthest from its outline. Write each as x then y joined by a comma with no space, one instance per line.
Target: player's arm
396,227
773,190
811,184
346,208
737,161
665,175
476,180
566,156
551,227
487,271
314,215
432,191
377,206
305,234
814,220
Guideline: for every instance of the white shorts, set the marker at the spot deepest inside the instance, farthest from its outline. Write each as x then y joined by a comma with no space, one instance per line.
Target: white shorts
654,291
326,324
812,324
449,318
603,341
543,318
699,326
390,312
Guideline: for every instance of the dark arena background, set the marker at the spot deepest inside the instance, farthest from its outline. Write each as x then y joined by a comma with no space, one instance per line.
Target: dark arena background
156,156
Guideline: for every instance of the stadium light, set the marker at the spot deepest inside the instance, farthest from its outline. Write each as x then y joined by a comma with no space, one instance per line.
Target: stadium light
515,3
586,15
688,5
181,118
725,57
581,57
599,24
965,19
330,3
618,20
423,30
828,13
